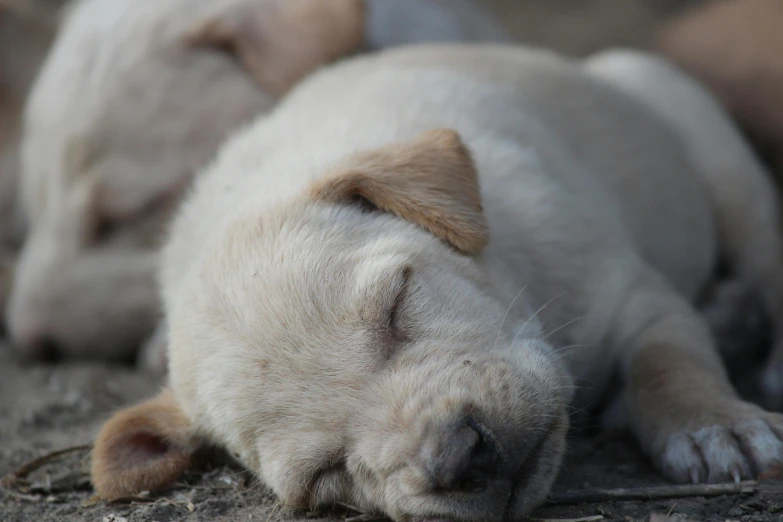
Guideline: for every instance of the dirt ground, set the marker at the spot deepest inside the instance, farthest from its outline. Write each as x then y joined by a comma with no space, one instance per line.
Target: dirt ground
48,408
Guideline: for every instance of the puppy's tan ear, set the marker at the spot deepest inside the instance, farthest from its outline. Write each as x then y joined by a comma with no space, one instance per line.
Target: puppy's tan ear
281,41
430,181
143,448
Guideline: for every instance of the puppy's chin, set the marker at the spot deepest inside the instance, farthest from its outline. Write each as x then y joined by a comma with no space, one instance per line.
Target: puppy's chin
538,472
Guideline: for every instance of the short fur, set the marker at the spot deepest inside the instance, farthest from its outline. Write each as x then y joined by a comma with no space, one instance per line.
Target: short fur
334,344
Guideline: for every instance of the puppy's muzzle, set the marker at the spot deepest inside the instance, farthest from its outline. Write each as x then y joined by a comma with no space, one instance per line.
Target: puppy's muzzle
460,457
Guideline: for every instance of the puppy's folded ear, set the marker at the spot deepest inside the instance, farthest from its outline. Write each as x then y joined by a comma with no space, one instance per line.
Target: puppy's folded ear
281,41
143,448
430,181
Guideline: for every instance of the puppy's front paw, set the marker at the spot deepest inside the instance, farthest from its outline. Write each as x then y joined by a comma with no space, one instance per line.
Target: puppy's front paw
724,452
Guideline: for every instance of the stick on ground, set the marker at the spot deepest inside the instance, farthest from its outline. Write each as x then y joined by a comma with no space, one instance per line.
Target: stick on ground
11,479
655,492
593,518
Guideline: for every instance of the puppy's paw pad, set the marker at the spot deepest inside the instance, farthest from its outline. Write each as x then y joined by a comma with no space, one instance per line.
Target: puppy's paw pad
721,454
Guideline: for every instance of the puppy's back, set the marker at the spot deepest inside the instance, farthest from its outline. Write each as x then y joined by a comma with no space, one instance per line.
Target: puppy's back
504,101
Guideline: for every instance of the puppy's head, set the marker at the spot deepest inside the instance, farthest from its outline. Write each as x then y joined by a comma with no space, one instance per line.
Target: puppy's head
348,347
134,98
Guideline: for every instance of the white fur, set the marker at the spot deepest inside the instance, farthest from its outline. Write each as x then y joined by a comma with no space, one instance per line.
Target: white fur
604,226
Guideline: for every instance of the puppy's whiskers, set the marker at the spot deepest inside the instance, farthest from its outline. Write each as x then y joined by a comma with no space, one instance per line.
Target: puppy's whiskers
564,325
503,322
529,319
565,351
256,485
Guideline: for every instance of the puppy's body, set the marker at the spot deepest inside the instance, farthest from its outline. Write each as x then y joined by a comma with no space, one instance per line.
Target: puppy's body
557,193
356,324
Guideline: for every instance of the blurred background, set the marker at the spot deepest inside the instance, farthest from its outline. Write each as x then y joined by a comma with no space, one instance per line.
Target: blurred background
576,27
572,26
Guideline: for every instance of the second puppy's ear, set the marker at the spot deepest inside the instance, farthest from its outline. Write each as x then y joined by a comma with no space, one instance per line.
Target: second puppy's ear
281,41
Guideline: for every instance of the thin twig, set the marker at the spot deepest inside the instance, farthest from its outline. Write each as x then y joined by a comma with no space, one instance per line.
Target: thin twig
12,478
654,492
594,518
365,517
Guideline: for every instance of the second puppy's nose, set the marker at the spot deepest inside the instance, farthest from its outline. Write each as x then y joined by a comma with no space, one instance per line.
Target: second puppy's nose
460,458
37,348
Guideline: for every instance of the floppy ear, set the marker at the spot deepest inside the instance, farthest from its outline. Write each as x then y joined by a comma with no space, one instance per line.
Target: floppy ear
143,448
281,41
430,181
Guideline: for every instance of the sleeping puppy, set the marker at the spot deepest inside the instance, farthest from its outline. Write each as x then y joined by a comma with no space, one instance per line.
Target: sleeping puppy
135,97
391,291
734,48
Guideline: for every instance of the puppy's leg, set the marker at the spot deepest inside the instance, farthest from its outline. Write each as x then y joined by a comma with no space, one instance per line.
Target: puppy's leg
743,195
678,397
740,328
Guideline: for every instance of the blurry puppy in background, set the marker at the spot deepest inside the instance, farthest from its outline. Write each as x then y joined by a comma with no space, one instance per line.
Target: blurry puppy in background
135,97
26,32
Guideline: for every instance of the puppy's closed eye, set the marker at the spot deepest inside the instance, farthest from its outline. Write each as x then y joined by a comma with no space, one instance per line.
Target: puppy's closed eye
103,228
112,221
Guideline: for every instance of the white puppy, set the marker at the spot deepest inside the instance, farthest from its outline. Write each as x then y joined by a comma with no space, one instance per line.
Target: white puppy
390,291
135,97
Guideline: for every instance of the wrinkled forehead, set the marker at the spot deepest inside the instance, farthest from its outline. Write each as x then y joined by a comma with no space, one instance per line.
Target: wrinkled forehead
280,292
318,261
308,264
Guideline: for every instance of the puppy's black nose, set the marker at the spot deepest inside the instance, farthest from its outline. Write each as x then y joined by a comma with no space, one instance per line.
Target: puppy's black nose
461,458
